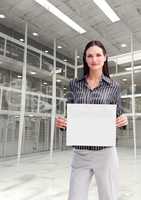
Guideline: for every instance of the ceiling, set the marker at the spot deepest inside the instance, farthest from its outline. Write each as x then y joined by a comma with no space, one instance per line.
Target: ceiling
86,14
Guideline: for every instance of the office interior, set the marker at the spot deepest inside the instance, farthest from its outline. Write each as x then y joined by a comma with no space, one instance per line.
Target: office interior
39,55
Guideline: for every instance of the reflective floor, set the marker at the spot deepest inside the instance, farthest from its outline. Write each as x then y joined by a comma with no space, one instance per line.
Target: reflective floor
37,178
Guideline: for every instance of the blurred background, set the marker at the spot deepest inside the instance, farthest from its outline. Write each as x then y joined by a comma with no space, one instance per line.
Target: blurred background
40,53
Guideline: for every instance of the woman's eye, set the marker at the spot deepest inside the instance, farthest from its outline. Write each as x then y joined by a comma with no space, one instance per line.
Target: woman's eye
98,55
89,56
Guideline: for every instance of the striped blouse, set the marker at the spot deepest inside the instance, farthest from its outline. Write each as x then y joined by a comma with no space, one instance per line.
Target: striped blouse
108,92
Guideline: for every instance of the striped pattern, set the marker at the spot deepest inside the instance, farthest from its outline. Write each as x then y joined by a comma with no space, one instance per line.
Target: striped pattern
108,92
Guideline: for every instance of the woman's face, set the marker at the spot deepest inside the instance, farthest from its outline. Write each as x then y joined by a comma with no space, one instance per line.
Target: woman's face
95,58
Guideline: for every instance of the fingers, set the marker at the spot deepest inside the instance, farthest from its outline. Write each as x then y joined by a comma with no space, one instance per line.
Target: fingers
121,121
61,122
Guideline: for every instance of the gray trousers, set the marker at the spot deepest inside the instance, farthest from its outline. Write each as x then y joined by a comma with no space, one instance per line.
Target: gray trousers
103,164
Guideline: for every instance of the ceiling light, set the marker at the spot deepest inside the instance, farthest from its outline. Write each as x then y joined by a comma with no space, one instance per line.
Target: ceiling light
124,79
59,70
32,73
123,45
65,60
21,39
2,16
78,57
46,51
137,71
35,34
126,57
58,80
59,47
130,68
19,76
55,11
104,6
45,83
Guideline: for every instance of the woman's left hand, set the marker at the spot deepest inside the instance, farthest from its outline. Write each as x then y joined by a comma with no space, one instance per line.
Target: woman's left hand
121,121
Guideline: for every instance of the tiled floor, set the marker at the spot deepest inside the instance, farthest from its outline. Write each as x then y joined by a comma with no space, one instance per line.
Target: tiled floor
37,178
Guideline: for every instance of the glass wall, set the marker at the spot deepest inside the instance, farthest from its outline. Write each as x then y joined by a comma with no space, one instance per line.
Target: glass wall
26,81
137,96
125,68
11,62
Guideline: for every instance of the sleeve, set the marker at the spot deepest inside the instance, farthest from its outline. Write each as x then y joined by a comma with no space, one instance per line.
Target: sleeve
120,109
70,95
70,98
118,102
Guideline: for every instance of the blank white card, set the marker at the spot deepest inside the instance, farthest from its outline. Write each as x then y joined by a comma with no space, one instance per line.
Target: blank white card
91,124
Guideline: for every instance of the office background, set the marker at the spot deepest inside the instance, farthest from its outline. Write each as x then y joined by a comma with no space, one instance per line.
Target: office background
40,54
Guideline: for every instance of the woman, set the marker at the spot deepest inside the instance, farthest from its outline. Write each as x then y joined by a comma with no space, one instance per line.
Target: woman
96,87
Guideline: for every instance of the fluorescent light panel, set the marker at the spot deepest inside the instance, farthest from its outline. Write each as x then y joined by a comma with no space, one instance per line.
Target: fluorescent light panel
59,47
123,45
35,34
2,16
32,73
59,70
51,8
130,68
137,71
21,39
104,6
45,83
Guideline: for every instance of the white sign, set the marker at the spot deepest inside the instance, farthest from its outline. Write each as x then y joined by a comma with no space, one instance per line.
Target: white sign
91,124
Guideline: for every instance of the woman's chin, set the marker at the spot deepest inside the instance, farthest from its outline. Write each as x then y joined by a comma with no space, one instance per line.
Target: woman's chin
94,68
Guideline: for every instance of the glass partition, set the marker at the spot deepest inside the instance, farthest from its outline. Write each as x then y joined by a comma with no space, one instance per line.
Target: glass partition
9,135
120,66
46,87
36,134
47,63
70,72
33,58
4,76
45,105
112,67
2,45
60,68
11,62
80,72
33,83
14,51
137,94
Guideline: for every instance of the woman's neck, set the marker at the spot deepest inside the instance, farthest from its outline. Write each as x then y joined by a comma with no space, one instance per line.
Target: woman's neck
93,79
94,76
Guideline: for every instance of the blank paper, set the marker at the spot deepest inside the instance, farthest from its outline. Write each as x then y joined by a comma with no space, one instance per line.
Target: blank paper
91,124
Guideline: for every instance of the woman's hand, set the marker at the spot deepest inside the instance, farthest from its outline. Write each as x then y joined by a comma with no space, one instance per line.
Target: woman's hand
61,122
121,121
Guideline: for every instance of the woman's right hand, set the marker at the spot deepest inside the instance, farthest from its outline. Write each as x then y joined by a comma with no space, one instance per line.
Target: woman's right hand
61,122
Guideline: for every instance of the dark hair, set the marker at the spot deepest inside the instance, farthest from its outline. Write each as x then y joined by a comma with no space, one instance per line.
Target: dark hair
85,65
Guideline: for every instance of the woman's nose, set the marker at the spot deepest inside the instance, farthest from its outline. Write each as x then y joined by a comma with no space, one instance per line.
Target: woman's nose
94,59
